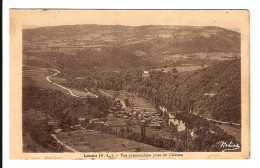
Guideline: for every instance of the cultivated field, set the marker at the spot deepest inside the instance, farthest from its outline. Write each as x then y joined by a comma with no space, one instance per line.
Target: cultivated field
80,93
181,68
149,132
95,141
35,115
211,55
58,79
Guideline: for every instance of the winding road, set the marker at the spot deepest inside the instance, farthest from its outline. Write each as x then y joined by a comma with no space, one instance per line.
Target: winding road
63,87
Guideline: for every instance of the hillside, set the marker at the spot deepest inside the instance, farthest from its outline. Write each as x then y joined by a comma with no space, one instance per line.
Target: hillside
152,42
215,91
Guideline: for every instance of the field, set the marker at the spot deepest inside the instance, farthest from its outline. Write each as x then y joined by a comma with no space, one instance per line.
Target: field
37,77
80,93
140,103
58,79
149,132
181,68
211,55
95,141
35,115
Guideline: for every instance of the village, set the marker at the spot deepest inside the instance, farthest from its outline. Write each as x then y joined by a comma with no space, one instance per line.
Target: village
117,117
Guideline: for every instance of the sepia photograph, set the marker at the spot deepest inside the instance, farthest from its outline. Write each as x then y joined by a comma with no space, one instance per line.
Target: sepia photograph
129,84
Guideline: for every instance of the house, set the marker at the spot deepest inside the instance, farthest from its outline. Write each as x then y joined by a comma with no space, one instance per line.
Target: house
145,74
122,112
82,119
134,114
54,124
93,120
106,124
146,116
111,115
143,123
156,125
98,122
140,116
77,125
57,130
165,71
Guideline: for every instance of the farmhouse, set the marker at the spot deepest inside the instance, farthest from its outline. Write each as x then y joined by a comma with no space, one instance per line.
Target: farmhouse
145,74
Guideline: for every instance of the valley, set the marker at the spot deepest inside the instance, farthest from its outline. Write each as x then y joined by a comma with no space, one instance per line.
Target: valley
102,88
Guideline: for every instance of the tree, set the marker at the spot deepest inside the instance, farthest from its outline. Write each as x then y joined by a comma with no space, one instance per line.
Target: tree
174,70
127,103
122,131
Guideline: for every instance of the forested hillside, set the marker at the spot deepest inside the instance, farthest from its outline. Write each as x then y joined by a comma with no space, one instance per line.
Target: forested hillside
215,91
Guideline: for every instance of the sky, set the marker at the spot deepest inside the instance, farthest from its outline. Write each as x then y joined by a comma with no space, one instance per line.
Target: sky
229,19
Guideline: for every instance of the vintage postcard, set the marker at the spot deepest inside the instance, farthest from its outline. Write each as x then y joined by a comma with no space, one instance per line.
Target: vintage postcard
129,84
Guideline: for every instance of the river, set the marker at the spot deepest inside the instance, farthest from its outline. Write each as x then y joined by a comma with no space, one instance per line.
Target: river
230,130
180,123
173,120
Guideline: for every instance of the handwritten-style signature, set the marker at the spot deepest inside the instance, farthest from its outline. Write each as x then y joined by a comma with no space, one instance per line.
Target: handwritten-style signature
229,146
